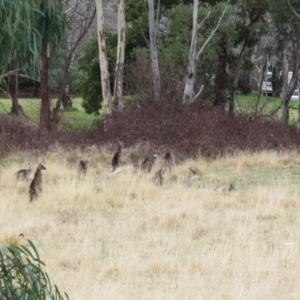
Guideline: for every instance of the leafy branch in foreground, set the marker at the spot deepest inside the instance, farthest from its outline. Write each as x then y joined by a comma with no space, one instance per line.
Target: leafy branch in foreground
22,275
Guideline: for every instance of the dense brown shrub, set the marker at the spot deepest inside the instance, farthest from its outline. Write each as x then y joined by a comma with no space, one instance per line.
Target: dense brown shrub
185,129
188,129
17,135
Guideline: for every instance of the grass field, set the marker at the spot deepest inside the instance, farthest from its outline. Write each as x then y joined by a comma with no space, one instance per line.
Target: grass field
118,236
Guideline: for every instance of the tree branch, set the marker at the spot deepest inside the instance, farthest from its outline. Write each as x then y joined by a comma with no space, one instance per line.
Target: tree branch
213,32
198,94
293,9
203,21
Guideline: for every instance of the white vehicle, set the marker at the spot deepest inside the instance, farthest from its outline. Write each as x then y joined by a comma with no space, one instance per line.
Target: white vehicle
267,84
295,95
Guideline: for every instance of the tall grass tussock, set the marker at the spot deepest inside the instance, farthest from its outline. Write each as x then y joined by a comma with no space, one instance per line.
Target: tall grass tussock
121,236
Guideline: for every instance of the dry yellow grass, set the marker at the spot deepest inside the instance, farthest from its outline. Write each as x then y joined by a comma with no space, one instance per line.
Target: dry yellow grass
118,236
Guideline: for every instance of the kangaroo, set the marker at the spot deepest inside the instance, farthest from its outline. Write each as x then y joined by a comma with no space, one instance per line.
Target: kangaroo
189,179
168,160
36,183
158,177
82,167
117,158
149,162
224,190
24,174
135,162
231,187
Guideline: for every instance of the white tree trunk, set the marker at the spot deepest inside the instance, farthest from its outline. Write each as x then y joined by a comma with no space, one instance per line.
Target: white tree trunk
289,85
118,90
285,100
188,94
153,49
103,59
298,124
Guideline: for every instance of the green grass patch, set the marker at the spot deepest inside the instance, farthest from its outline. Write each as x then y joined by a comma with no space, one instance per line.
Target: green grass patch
250,103
71,119
76,118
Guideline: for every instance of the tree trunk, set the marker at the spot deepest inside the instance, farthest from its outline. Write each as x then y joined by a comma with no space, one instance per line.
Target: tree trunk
153,49
285,99
63,97
221,76
103,59
188,94
118,89
237,71
277,79
14,91
289,87
45,113
298,124
66,100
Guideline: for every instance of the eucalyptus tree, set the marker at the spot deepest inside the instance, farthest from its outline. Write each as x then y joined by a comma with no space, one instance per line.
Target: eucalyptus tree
19,43
287,26
51,26
250,25
107,99
79,18
188,94
30,31
234,43
153,49
297,14
119,73
147,29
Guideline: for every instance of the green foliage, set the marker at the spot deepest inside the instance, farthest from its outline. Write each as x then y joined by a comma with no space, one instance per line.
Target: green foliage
24,24
244,83
75,78
22,275
57,64
91,87
175,46
137,33
17,22
51,24
89,64
287,24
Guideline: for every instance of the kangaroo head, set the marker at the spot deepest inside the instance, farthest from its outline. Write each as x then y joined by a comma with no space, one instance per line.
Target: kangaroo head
83,163
168,155
41,167
155,153
192,171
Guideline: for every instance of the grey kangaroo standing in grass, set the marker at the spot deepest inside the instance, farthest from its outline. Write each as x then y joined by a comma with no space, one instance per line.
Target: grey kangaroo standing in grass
36,184
158,177
117,157
231,187
168,159
82,167
188,181
24,174
149,162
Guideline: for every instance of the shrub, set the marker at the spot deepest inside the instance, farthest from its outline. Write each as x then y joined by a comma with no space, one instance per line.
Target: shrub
22,275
